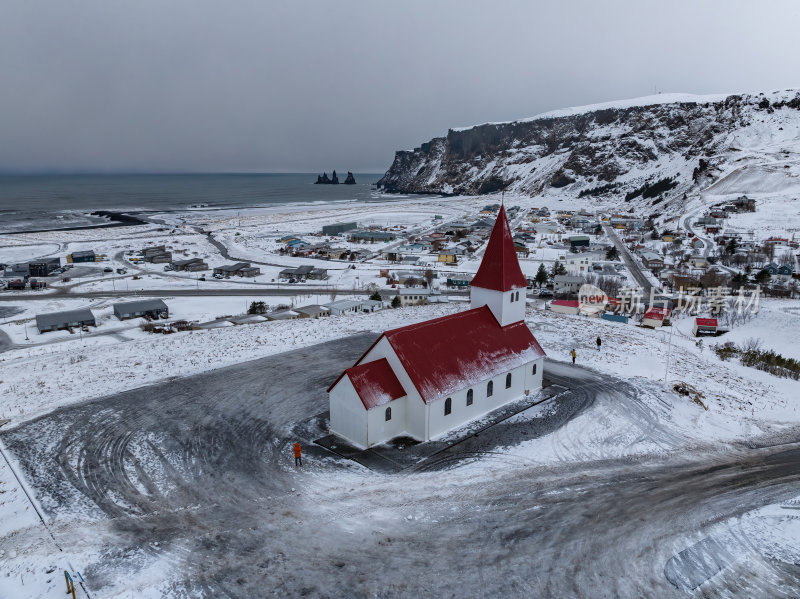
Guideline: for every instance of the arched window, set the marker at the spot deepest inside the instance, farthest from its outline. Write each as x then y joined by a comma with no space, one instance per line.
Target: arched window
517,298
388,414
511,298
489,388
534,369
448,406
469,397
508,380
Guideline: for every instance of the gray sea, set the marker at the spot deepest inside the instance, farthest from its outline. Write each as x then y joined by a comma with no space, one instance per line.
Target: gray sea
46,202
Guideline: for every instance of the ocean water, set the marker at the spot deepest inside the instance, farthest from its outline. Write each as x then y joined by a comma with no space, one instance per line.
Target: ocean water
41,202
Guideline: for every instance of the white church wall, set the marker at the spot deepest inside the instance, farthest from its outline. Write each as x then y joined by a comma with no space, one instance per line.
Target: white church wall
461,413
415,408
499,302
533,381
380,429
348,415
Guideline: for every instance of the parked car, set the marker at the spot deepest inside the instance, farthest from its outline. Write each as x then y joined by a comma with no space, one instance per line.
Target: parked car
122,271
545,293
108,269
219,276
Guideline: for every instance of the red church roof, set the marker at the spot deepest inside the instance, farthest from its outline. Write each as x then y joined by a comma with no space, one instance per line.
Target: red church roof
451,353
499,269
375,383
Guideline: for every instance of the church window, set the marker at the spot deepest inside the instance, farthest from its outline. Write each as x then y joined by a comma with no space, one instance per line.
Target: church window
448,406
534,369
388,414
489,388
508,380
469,397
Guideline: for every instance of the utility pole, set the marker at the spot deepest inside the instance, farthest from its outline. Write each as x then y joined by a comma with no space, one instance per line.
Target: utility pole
669,352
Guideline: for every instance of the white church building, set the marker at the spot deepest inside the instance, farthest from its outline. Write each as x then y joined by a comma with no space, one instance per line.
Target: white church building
426,379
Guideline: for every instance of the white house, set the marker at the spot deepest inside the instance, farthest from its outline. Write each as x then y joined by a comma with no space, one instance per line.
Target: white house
580,264
426,379
567,283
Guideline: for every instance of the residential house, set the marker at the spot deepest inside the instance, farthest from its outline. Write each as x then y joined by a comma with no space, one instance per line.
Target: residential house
148,308
55,321
567,284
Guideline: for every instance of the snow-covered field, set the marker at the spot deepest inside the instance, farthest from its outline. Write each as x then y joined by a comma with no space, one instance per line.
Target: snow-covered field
642,419
651,421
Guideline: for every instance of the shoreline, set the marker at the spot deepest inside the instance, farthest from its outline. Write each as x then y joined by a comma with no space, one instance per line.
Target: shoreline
116,219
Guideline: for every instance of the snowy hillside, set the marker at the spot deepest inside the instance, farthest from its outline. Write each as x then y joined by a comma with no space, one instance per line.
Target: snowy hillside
605,152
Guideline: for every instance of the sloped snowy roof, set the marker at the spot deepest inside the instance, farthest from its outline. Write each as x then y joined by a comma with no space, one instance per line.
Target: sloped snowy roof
451,353
375,383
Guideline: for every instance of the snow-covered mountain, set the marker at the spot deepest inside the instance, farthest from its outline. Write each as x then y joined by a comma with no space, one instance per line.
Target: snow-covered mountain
645,150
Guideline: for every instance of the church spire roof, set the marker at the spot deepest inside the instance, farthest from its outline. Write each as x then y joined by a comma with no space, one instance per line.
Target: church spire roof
499,269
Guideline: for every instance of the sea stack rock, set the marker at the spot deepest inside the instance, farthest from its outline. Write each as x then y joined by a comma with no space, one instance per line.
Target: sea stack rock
323,179
350,180
334,179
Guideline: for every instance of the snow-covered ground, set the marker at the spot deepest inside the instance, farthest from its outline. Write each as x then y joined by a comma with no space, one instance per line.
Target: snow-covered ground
641,419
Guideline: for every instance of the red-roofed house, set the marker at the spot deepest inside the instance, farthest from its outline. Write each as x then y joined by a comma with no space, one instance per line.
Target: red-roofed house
425,379
655,317
565,306
705,326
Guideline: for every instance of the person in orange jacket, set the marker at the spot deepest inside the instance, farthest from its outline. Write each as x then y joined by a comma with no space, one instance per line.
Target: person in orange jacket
298,452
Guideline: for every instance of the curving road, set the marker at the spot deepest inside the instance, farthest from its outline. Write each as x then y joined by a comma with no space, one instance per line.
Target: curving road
195,475
630,263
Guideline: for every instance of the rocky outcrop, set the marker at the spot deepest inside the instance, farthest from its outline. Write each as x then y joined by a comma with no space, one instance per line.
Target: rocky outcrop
324,180
602,149
350,179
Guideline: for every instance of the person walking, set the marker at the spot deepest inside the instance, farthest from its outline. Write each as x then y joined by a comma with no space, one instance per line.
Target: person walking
599,342
574,355
298,453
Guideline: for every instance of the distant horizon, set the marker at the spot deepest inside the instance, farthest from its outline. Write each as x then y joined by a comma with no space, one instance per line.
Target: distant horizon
79,173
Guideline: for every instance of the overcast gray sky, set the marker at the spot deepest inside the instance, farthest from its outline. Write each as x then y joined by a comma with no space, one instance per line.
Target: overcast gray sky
196,85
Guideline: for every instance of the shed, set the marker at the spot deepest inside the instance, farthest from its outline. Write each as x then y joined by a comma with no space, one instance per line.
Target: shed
615,317
152,308
64,320
705,326
655,317
565,306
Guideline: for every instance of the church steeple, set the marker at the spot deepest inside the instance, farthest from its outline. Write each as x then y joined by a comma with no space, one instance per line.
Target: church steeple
499,279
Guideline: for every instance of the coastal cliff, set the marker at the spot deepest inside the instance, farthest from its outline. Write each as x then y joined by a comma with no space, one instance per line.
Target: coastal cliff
606,149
